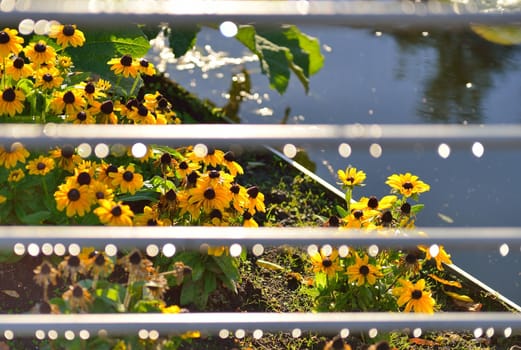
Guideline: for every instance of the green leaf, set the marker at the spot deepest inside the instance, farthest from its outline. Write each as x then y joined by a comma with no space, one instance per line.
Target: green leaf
415,209
188,293
140,196
228,266
103,45
144,306
210,283
35,218
151,31
182,38
342,212
503,35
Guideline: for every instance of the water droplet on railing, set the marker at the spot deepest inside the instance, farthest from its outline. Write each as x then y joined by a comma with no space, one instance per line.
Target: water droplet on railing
200,150
373,332
375,150
39,334
326,249
52,334
224,333
111,249
153,334
478,332
257,334
289,150
344,333
504,249
444,150
344,150
343,251
152,250
434,250
507,332
74,249
235,250
101,150
26,26
8,334
139,150
84,150
59,249
296,333
168,250
478,149
373,250
240,333
42,27
19,249
84,334
228,29
69,335
33,249
47,249
417,332
312,249
490,332
257,249
142,334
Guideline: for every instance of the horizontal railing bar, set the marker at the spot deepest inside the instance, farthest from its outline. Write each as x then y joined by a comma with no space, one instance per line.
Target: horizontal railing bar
396,135
214,323
353,13
192,237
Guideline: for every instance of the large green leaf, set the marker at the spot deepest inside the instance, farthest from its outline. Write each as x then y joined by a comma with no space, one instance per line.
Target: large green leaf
103,45
281,51
182,38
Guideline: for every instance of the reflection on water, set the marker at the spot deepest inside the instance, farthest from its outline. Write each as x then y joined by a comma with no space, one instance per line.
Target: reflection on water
463,72
375,77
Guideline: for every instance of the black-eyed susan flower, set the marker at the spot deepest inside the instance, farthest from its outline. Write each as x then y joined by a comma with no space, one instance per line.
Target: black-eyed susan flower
141,115
3,199
208,199
414,296
337,343
100,265
149,217
64,62
372,203
125,66
10,157
248,220
229,162
351,177
10,42
82,117
78,298
145,67
15,175
186,167
239,197
74,198
71,266
114,213
67,102
358,219
91,92
40,166
12,101
100,190
48,78
65,157
67,34
362,271
407,184
411,262
441,258
104,170
39,52
128,180
105,111
17,69
326,263
213,157
255,200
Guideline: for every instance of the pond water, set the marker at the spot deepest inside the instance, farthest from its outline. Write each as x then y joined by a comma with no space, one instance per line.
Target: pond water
382,77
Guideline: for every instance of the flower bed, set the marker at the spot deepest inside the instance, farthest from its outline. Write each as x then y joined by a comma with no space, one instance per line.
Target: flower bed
157,185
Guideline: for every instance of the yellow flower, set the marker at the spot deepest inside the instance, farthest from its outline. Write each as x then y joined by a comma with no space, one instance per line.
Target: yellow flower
328,264
125,66
255,200
150,217
15,175
40,166
145,67
362,271
40,52
77,199
208,198
100,190
66,157
82,117
10,42
351,177
441,258
248,221
17,153
48,78
17,69
70,102
414,296
12,101
407,184
127,179
361,219
114,213
233,167
372,203
67,34
91,92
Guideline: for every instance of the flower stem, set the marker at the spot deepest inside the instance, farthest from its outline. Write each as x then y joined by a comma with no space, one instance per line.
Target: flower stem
134,85
349,193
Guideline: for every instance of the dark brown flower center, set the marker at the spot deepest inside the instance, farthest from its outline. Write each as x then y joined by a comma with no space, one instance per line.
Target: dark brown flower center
9,95
171,195
40,47
162,103
253,191
4,37
326,262
81,116
183,165
69,97
405,208
209,193
358,214
84,178
45,308
152,222
67,151
235,189
73,195
350,179
111,169
18,63
128,176
387,218
135,258
100,195
372,202
411,258
116,211
131,103
45,270
68,30
100,260
192,177
143,63
407,185
107,107
247,215
229,156
216,214
213,174
142,110
73,261
416,294
77,292
364,270
126,61
40,166
47,77
166,159
90,88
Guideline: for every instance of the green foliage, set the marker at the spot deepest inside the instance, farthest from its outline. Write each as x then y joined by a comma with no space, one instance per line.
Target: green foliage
182,38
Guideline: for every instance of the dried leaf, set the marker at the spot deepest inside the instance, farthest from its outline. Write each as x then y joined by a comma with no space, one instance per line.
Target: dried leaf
444,281
11,293
269,265
423,342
